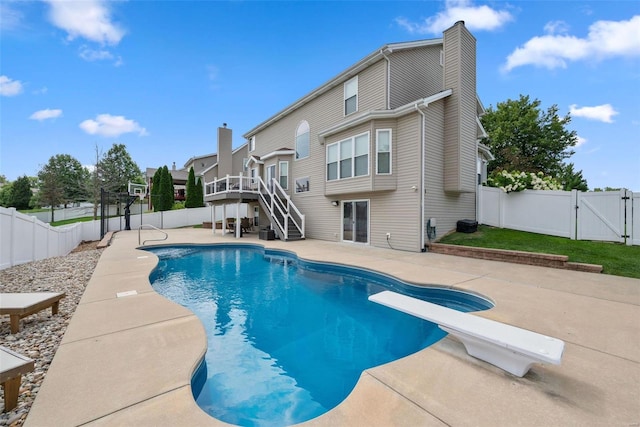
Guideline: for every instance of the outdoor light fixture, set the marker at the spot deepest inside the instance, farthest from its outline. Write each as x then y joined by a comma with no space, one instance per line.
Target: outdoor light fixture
335,202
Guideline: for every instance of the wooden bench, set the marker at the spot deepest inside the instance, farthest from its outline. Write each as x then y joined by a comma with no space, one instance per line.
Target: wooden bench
12,366
21,305
507,347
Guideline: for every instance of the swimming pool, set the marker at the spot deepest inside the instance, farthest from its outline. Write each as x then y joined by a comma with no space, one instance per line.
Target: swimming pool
289,338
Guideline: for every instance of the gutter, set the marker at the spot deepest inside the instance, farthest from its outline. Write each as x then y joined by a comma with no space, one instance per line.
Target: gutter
422,175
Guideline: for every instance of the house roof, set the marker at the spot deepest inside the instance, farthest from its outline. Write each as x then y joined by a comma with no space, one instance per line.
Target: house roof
344,76
279,152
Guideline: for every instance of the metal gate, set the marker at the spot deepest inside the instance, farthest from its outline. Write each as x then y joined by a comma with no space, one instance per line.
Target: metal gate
605,216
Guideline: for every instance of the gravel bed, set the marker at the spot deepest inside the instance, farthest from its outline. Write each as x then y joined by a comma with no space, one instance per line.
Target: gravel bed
40,334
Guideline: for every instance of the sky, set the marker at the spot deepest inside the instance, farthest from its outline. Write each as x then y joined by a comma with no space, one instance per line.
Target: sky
160,77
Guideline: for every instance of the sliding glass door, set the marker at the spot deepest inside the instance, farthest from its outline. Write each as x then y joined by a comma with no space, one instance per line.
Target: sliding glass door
355,221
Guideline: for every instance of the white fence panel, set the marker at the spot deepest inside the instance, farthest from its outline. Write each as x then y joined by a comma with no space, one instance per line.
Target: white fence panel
24,238
538,211
601,216
489,206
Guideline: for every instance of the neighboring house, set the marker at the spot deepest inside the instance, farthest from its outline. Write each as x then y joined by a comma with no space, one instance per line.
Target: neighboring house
385,154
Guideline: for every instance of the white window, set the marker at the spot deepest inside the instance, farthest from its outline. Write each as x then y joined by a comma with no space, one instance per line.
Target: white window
351,96
302,140
283,168
302,184
252,143
383,151
348,158
245,164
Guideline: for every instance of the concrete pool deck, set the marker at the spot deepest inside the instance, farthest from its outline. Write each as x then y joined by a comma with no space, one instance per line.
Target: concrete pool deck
128,360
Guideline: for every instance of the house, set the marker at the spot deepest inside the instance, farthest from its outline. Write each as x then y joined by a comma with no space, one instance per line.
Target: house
386,153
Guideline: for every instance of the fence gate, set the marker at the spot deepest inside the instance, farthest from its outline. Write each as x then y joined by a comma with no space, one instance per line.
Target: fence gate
603,215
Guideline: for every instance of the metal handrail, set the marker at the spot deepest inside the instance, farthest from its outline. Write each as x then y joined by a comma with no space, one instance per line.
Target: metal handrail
166,236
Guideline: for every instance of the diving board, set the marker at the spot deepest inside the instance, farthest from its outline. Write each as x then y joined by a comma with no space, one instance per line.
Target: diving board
507,347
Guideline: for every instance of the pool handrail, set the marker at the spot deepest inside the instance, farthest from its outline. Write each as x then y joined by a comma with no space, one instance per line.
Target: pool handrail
151,240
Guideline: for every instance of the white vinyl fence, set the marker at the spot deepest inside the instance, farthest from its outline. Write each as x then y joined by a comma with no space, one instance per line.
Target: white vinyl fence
24,238
605,216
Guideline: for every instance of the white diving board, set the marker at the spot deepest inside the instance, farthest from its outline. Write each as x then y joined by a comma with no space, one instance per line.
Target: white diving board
507,347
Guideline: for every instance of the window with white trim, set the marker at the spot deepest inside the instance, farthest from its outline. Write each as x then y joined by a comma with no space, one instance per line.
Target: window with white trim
283,171
383,151
348,158
252,143
302,140
351,96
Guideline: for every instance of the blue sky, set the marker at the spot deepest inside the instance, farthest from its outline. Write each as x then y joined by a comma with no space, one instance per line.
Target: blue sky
161,76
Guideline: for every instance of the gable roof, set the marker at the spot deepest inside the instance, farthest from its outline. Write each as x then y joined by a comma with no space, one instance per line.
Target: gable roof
344,76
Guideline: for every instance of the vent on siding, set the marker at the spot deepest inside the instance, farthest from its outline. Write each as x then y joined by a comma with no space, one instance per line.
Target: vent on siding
441,58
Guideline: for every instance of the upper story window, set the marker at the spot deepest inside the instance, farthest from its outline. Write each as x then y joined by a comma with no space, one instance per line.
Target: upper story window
348,158
252,143
383,151
302,140
283,178
351,96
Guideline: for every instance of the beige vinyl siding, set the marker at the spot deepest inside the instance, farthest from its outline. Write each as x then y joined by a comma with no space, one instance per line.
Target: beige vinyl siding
237,167
415,74
446,207
398,212
322,219
460,107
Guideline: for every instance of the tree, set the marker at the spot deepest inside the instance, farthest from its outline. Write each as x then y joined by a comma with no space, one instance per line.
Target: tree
200,192
21,193
6,194
523,137
166,191
117,169
62,181
191,200
572,180
155,189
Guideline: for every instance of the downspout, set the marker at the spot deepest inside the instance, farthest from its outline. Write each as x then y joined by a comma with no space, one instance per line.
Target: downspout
422,176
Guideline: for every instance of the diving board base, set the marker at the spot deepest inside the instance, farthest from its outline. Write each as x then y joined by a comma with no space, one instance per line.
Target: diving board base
500,357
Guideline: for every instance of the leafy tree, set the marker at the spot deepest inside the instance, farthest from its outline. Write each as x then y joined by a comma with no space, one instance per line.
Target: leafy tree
62,181
525,138
572,180
21,193
155,189
192,198
6,194
200,192
117,169
166,191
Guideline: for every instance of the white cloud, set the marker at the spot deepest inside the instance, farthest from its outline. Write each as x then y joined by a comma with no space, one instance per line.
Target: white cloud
601,113
476,18
605,39
90,55
9,87
88,19
111,126
46,114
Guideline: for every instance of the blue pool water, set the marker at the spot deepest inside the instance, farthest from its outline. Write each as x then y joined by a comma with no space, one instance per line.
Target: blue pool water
289,338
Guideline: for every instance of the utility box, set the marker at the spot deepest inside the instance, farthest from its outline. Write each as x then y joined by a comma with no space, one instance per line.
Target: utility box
267,235
467,226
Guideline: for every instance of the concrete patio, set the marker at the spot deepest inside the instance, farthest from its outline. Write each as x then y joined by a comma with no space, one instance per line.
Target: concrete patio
128,361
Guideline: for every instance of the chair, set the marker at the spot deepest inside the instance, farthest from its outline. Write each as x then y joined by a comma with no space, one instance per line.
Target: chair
21,305
245,223
12,366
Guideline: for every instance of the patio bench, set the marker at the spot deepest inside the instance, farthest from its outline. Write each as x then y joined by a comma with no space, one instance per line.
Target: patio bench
19,305
508,347
12,366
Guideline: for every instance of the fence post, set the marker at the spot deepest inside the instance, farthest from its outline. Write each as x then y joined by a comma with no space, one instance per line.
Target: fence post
573,216
628,217
33,240
12,237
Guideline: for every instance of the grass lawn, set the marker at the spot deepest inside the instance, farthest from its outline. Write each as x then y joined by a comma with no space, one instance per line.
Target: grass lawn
615,258
71,221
